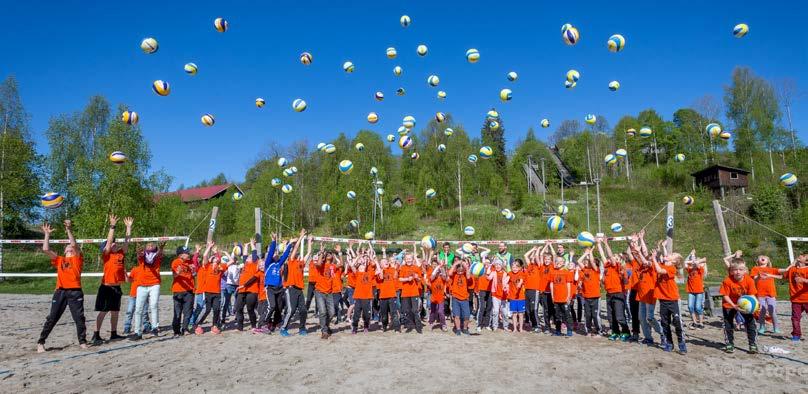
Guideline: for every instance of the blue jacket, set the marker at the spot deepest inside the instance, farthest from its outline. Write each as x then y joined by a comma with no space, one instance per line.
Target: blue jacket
272,267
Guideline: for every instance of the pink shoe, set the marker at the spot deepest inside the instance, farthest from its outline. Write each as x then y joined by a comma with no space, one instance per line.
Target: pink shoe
199,331
215,330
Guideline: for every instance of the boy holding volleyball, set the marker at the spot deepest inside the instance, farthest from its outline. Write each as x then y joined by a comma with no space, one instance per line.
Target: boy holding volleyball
737,284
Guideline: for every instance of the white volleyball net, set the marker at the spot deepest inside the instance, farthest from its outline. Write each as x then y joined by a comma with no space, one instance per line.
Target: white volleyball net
796,246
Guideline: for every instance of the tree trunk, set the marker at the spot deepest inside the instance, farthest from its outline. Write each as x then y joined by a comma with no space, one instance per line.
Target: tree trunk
771,161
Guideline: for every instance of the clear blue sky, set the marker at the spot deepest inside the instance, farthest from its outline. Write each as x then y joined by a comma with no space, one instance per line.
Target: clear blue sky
676,52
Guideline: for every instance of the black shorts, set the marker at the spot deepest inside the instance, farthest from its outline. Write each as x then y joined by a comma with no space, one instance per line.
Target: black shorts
108,299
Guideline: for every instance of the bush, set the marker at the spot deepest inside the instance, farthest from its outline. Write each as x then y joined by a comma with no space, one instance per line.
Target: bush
769,204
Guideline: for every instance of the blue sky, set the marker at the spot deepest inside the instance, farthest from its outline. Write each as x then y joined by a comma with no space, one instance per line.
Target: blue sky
676,52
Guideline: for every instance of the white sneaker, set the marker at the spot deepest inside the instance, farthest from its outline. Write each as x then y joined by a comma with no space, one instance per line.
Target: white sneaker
479,329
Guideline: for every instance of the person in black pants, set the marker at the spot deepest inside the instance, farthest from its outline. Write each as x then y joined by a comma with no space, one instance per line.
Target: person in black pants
68,292
183,305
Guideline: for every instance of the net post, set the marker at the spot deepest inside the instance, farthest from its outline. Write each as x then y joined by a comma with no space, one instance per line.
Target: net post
722,228
212,225
790,250
669,227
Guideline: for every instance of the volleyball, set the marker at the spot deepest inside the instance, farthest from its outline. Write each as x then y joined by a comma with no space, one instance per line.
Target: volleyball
408,121
237,196
472,159
472,55
430,193
130,117
373,117
207,120
555,224
379,191
725,135
345,167
421,50
400,92
621,153
441,148
486,152
687,200
405,21
748,304
405,142
282,162
788,180
275,182
505,95
477,269
616,43
391,53
573,75
570,34
448,132
492,115
617,227
569,85
610,159
590,119
369,235
510,217
287,188
190,68
52,200
306,58
415,155
562,210
614,85
545,123
330,148
468,231
359,146
505,212
467,248
117,157
512,76
259,102
440,117
161,87
353,223
288,172
391,138
321,146
585,239
149,45
441,95
740,30
397,70
679,158
351,195
713,129
379,96
631,132
220,24
293,169
299,105
433,80
493,125
427,242
348,67
646,132
402,131
325,208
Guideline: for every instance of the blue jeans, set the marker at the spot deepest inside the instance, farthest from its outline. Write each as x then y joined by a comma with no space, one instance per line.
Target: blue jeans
695,303
130,312
648,321
199,308
227,306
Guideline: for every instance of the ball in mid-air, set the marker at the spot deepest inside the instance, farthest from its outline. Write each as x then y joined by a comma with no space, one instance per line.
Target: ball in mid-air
614,85
52,200
190,68
590,119
617,227
345,167
306,58
373,117
130,117
740,30
117,157
545,123
299,105
788,180
221,25
505,95
486,152
149,45
616,43
555,224
259,102
405,20
421,50
207,120
472,55
585,239
162,88
468,230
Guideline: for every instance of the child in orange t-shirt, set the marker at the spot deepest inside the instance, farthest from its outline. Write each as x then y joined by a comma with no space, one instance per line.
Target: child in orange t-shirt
437,287
614,282
737,284
797,276
410,276
388,284
588,274
667,293
366,270
561,291
696,271
764,275
459,275
516,295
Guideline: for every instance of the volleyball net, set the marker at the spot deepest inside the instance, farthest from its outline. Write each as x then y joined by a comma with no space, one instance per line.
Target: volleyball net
792,253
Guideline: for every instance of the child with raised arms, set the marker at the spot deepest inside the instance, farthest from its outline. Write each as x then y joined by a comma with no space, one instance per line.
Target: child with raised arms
667,293
437,287
459,275
388,284
247,289
211,271
410,278
109,292
295,302
614,281
589,277
561,291
696,271
366,271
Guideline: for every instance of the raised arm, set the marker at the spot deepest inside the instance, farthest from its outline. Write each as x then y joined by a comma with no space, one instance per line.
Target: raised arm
308,249
485,252
128,221
113,220
728,259
47,230
70,238
300,241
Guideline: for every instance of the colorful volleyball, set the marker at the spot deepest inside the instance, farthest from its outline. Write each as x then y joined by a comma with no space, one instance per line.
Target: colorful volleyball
590,119
282,162
492,115
788,180
467,248
287,172
505,95
330,148
130,117
441,148
359,146
433,80
570,34
190,68
161,87
740,30
562,210
646,132
679,158
373,117
621,153
237,196
569,85
585,239
555,224
493,125
505,212
616,43
472,55
379,96
421,50
391,53
400,92
440,117
405,20
725,135
351,195
415,155
631,132
713,129
748,304
325,208
486,152
379,191
614,85
275,182
687,200
117,157
610,159
220,24
321,146
430,193
448,132
617,227
403,130
472,159
545,123
573,75
306,58
397,70
149,45
477,269
345,167
405,142
287,188
207,120
391,138
441,95
348,67
259,102
512,76
428,242
374,171
408,121
370,235
299,105
52,200
353,223
468,231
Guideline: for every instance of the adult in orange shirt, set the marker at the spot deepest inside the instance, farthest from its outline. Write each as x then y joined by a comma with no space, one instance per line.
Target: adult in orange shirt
516,294
459,275
325,266
484,303
182,289
667,293
797,276
210,273
437,293
68,293
410,278
737,284
248,288
295,302
764,275
589,276
149,260
366,271
647,279
545,275
614,281
388,286
561,290
533,287
696,271
109,292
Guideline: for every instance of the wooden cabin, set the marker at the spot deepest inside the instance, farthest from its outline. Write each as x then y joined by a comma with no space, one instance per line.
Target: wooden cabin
723,180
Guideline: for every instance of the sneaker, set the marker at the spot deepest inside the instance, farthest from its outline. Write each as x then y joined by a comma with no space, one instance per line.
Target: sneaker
127,332
557,333
569,332
365,331
729,349
115,337
353,331
646,341
303,332
753,349
613,337
155,333
624,337
443,328
418,330
536,329
682,348
199,331
466,332
97,340
633,338
479,329
762,330
260,330
284,332
215,330
136,337
667,347
700,326
777,331
324,335
457,332
795,338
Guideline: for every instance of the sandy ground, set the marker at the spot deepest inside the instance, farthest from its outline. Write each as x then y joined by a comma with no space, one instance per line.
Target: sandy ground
432,362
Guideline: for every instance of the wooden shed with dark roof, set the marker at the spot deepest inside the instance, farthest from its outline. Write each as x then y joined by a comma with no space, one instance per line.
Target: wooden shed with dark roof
723,180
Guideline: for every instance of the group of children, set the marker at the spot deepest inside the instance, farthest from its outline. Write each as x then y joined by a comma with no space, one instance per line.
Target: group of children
549,290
